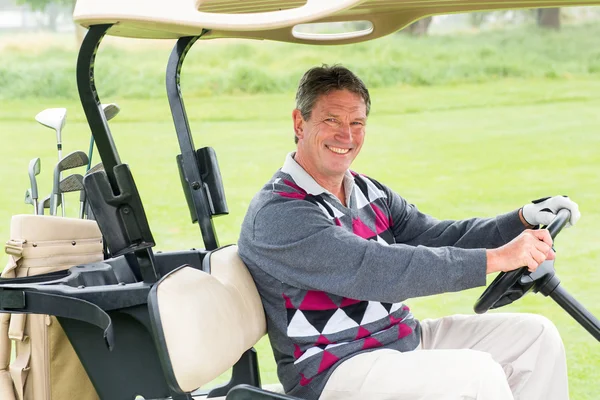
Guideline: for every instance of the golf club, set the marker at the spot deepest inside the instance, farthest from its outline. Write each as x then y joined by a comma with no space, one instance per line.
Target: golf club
54,118
45,203
34,170
72,160
82,197
28,199
72,183
110,111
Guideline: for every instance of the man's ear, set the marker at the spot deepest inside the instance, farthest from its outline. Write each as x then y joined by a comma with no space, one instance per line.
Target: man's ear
298,123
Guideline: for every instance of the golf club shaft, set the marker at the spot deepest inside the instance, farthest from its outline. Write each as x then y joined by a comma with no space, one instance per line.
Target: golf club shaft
90,154
59,148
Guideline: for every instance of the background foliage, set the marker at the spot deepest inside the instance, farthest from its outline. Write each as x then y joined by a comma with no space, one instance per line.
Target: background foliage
232,67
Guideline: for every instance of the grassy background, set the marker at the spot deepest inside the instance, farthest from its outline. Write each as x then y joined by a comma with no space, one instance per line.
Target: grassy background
475,146
47,69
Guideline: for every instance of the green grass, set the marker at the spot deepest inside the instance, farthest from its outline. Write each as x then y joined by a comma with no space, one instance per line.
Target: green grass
47,68
456,151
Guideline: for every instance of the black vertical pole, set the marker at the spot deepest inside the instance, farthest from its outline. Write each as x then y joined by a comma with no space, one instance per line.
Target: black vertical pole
191,168
91,103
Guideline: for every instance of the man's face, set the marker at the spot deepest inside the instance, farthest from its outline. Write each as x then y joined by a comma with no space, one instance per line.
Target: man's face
333,135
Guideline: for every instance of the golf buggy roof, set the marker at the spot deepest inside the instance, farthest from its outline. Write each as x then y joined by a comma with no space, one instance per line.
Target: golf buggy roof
277,19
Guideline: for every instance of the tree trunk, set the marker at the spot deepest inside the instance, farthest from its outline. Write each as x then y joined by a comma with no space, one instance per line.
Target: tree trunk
420,27
53,13
549,18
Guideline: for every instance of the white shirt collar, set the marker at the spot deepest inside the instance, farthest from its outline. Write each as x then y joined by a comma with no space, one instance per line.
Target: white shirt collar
308,183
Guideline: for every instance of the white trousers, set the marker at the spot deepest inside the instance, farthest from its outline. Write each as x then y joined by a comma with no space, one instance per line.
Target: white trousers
483,357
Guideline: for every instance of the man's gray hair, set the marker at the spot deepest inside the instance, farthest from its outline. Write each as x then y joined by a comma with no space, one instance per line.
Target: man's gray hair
318,81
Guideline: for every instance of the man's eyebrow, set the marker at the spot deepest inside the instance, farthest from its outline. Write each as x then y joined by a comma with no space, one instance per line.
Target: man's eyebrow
330,114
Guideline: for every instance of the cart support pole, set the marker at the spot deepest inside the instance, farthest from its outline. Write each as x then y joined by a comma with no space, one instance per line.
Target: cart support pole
190,165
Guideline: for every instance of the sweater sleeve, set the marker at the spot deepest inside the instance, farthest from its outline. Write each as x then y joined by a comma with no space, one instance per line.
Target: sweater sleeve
294,242
410,226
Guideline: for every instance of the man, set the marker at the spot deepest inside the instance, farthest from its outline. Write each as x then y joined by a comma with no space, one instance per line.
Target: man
335,253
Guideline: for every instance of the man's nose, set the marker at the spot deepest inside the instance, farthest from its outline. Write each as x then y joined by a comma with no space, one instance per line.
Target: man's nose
344,133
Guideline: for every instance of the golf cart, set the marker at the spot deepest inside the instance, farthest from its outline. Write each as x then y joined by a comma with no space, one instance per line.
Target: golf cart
135,318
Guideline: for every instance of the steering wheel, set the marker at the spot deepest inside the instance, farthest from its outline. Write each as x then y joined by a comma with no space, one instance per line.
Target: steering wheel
506,280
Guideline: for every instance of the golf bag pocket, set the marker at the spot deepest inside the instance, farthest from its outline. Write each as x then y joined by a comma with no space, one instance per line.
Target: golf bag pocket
45,366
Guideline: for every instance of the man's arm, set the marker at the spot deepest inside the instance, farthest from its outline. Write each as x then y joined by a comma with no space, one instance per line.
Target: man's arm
416,228
294,241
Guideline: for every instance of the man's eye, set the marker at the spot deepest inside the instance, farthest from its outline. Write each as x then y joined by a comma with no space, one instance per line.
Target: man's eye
358,123
330,120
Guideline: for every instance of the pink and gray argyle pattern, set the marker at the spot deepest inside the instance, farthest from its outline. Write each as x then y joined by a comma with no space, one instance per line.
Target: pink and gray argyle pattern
326,328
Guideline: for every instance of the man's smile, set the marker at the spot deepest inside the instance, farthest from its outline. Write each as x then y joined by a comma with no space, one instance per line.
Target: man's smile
338,150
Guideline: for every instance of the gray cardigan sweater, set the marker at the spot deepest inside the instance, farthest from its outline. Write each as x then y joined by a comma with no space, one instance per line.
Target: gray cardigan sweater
333,279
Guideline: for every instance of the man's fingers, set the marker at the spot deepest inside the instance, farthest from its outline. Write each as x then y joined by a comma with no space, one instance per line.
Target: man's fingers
532,264
565,202
545,217
539,256
551,255
543,235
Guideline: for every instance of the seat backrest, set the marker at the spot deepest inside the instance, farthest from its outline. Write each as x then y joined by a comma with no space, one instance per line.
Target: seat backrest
206,321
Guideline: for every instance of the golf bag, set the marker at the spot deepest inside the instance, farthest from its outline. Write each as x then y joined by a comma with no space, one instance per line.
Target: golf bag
45,366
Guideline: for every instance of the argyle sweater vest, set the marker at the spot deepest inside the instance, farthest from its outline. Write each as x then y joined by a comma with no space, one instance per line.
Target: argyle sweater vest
313,331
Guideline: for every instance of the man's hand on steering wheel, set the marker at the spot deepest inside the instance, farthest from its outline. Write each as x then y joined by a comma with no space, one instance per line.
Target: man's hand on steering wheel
542,211
526,251
529,249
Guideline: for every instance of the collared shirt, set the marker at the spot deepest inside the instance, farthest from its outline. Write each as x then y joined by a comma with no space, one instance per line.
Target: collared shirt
308,183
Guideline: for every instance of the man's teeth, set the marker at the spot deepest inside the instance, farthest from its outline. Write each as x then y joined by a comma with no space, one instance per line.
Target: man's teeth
338,150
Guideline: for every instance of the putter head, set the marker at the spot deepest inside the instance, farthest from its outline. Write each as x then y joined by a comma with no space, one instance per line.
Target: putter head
110,110
72,183
54,118
34,170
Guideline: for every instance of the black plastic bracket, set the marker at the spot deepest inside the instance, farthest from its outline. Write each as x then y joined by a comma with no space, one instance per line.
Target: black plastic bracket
33,302
245,371
121,218
212,183
191,176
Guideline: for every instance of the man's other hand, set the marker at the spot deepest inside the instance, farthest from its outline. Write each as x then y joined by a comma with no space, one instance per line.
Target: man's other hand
543,211
529,249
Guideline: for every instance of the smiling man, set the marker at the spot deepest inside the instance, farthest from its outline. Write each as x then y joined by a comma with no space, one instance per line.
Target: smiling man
335,254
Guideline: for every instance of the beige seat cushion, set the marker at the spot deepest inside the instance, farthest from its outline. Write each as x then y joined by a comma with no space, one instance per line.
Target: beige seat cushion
209,321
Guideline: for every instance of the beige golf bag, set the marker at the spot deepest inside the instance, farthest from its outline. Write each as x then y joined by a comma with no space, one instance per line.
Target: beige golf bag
44,365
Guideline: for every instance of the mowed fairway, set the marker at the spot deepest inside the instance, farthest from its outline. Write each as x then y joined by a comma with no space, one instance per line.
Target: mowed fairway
455,151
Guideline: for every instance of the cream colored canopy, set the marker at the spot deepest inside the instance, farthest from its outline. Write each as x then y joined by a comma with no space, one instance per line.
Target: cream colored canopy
275,20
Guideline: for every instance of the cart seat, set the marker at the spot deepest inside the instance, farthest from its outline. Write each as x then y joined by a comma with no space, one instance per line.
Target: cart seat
205,321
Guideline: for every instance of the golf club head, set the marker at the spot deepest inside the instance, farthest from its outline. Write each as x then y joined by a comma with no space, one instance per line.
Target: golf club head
110,110
28,198
95,168
45,203
72,160
54,118
34,170
72,183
